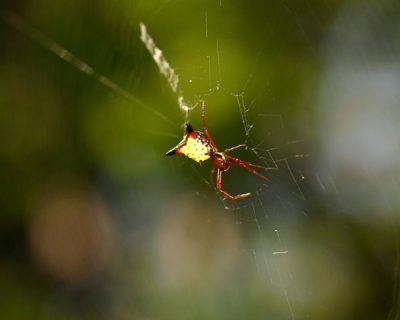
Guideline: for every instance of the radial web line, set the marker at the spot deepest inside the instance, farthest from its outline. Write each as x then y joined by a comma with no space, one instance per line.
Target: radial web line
21,25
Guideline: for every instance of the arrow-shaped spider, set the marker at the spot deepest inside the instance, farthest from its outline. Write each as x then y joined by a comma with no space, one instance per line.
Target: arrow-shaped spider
200,146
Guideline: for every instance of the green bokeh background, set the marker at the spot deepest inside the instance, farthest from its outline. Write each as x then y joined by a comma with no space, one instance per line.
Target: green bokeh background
95,223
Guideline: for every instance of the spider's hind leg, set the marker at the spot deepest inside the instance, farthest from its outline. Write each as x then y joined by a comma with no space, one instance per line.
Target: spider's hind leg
212,175
225,194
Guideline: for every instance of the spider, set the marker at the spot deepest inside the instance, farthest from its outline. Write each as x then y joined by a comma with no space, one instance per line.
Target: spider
200,146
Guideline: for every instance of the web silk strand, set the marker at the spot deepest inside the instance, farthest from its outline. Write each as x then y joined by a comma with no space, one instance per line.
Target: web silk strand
165,69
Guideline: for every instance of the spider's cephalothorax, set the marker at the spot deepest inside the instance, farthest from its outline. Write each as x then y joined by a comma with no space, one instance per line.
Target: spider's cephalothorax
200,146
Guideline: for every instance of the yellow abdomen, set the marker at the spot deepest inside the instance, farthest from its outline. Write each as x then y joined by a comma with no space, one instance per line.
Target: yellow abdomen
196,148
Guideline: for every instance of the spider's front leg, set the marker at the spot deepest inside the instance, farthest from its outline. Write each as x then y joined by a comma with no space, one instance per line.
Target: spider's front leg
234,148
203,114
247,166
225,194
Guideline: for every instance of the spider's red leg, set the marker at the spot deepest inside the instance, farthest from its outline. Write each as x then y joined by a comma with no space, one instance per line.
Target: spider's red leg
212,175
253,165
234,148
247,166
225,194
203,114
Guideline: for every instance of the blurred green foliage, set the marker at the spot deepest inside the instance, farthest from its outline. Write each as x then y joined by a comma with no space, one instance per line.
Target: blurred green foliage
97,224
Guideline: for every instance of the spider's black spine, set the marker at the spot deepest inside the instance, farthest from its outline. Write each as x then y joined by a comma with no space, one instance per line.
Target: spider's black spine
188,128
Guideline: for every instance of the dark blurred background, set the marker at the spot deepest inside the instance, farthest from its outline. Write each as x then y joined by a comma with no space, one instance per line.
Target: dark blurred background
96,223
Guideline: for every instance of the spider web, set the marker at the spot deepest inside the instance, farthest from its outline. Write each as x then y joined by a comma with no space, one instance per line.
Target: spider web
294,248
